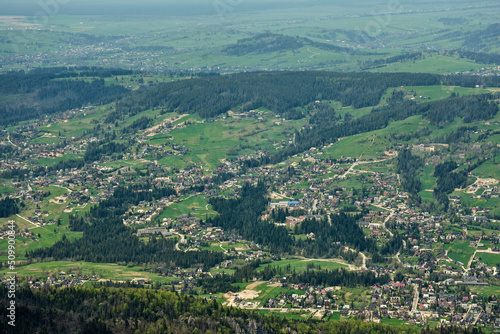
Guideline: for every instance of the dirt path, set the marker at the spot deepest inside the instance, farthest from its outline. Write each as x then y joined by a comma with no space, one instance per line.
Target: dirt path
248,294
254,285
69,190
350,266
156,127
8,139
350,170
472,257
397,257
182,239
29,221
415,299
363,256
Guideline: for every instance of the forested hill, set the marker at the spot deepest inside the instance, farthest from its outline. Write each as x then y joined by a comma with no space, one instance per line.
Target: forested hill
269,42
40,92
132,310
283,92
280,91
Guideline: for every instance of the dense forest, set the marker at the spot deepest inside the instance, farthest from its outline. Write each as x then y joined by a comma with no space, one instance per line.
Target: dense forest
242,216
482,39
478,57
135,310
8,207
338,229
389,60
283,92
44,92
277,91
407,167
447,181
96,150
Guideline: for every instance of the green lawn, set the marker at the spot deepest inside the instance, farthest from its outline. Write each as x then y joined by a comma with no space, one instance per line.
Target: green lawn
488,169
208,143
489,259
486,291
196,206
460,251
301,265
433,93
107,271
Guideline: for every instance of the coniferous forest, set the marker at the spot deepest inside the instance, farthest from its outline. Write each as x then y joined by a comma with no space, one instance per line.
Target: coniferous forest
105,310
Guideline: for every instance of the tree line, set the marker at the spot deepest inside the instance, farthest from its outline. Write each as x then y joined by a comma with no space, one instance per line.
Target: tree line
44,93
8,207
137,310
270,42
447,181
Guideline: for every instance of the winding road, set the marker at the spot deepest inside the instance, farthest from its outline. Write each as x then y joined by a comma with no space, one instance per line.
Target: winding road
182,240
415,299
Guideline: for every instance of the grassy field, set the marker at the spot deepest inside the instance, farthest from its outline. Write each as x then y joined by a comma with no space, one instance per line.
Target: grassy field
77,126
106,271
196,206
208,143
286,315
486,291
488,169
491,203
44,236
52,161
460,251
442,92
402,324
301,265
492,260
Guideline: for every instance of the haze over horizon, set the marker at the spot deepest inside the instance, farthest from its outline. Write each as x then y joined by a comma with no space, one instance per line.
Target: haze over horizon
189,7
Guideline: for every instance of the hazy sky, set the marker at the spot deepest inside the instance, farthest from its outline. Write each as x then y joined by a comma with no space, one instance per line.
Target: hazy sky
153,7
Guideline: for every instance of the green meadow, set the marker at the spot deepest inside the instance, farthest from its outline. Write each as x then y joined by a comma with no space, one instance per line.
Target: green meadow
196,206
44,236
299,266
460,251
104,271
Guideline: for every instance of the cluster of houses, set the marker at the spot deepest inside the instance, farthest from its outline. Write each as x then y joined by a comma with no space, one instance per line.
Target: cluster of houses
315,186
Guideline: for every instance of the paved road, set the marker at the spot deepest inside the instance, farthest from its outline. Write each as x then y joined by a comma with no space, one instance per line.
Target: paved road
387,219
